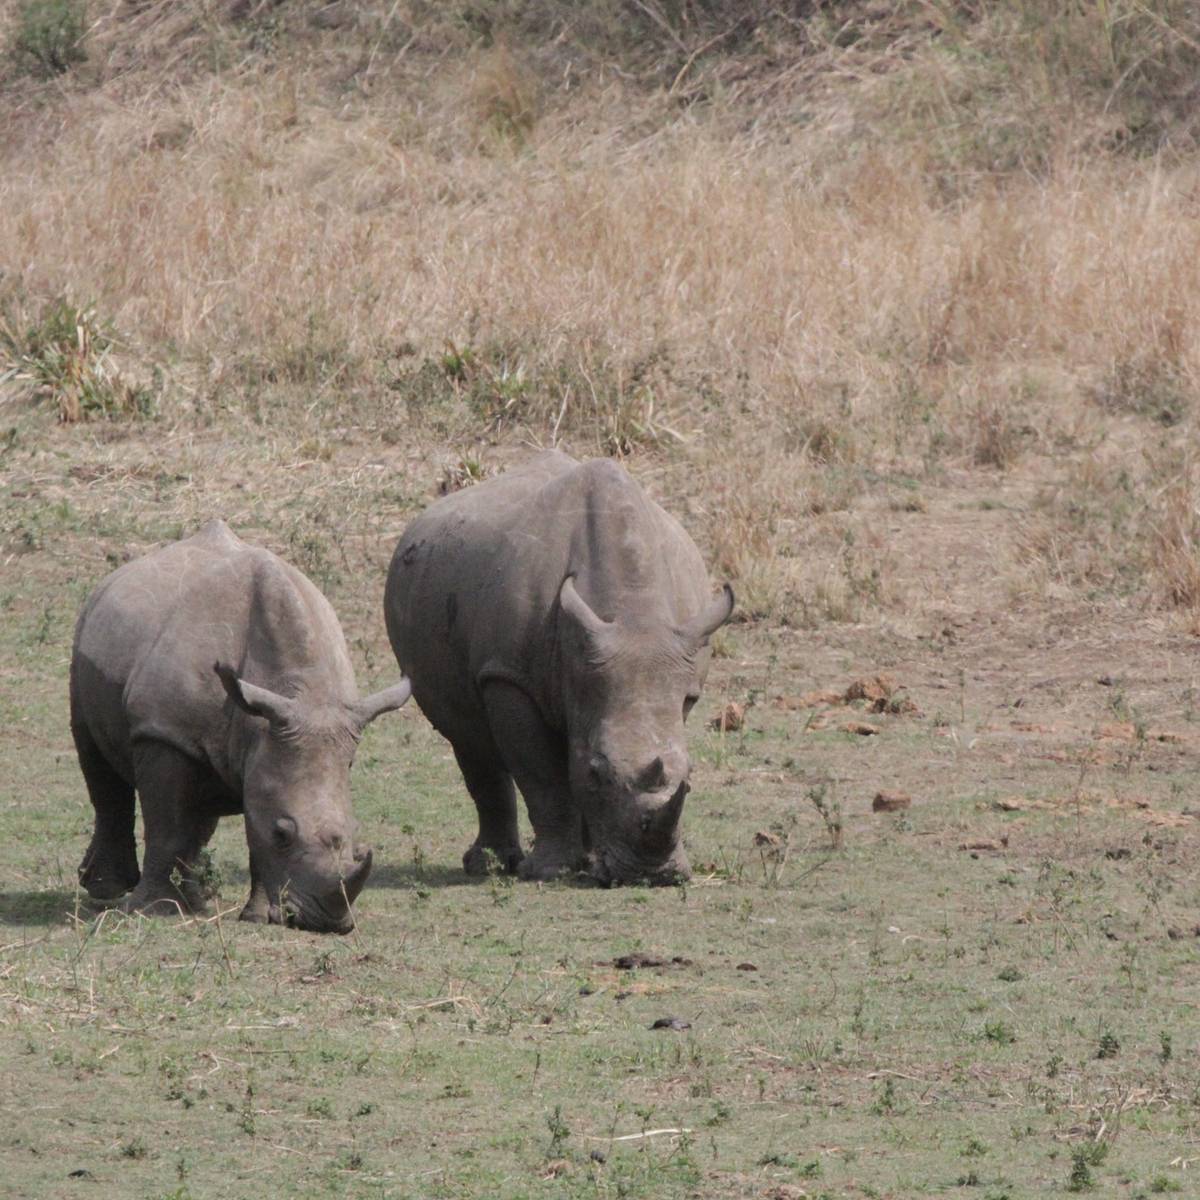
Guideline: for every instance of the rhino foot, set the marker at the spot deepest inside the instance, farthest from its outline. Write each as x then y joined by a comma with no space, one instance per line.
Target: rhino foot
108,874
165,901
485,860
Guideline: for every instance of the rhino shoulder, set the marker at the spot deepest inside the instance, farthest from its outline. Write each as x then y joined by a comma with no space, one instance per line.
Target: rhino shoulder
601,476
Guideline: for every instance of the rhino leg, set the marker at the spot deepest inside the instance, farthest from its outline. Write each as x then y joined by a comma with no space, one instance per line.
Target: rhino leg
110,866
536,758
178,820
491,787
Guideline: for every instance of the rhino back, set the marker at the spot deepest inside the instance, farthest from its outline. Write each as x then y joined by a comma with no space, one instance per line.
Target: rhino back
149,635
474,582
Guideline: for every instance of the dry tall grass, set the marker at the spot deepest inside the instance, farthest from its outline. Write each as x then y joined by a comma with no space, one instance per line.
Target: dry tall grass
617,274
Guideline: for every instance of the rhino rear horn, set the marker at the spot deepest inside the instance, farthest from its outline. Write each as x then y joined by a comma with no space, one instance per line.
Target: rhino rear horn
578,609
701,627
381,702
257,701
653,776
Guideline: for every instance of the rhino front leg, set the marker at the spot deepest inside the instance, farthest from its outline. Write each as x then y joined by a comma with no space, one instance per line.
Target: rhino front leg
178,821
491,787
536,758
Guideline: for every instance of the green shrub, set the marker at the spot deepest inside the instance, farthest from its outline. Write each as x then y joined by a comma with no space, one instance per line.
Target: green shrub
48,40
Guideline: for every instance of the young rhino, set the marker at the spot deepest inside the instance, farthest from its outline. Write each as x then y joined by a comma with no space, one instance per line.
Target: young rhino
213,678
555,623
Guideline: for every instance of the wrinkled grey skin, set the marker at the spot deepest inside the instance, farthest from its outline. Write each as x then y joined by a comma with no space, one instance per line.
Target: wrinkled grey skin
554,623
213,678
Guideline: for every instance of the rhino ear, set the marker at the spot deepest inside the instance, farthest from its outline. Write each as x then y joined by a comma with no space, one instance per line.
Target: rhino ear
258,702
386,701
702,626
578,609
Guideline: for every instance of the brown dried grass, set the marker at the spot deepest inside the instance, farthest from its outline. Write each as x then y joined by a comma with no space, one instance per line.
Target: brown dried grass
805,303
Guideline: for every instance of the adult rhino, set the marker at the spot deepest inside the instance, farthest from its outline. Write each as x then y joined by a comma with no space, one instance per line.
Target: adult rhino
213,678
554,623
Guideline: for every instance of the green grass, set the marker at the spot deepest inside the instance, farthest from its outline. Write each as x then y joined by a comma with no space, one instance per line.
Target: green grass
918,1021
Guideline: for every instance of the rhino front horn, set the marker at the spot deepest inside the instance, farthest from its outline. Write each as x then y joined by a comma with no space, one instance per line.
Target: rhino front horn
667,817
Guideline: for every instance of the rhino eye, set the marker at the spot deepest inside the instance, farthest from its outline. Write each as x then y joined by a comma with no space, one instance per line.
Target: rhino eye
283,833
597,769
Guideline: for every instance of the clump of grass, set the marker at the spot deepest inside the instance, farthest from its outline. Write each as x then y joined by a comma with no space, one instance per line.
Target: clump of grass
66,357
1083,1159
829,809
47,38
503,95
1148,386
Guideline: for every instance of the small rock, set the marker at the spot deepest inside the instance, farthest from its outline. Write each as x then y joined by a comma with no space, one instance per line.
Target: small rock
1106,681
746,966
730,719
80,1173
556,1167
891,802
862,728
878,687
622,995
598,1156
1118,852
981,844
765,838
671,1023
1009,804
808,700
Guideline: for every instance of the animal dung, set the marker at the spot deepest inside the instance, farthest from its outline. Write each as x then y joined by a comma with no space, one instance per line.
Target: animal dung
677,1023
891,802
637,960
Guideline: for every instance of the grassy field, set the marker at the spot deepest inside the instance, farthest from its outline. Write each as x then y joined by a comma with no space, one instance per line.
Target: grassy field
895,307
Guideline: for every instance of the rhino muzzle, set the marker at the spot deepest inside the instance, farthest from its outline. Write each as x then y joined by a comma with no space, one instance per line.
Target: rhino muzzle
611,868
297,908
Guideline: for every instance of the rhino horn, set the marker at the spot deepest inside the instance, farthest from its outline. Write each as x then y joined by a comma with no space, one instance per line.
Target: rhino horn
706,623
667,817
386,701
576,607
259,702
653,777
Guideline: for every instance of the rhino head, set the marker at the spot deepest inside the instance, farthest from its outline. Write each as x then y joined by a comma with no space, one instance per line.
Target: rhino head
631,683
306,863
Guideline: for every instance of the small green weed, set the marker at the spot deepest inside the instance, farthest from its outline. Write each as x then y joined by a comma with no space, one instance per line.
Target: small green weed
1083,1159
999,1032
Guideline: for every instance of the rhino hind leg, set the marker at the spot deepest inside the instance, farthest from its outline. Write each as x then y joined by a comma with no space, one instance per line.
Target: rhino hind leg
536,758
499,842
178,820
110,866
